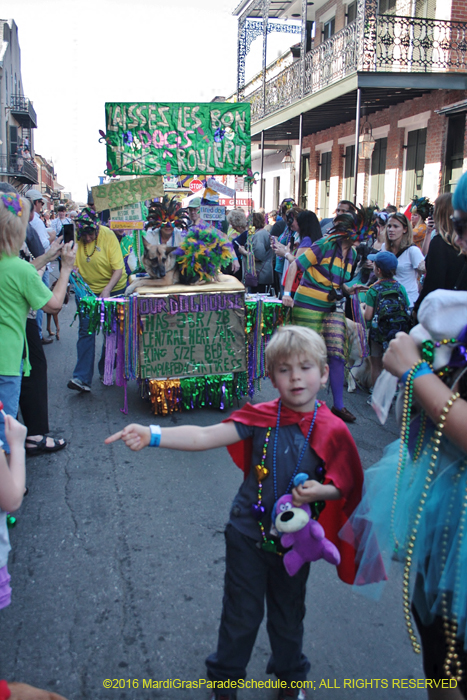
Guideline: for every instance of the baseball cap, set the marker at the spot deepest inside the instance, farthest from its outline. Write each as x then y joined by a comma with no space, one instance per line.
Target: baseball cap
385,260
194,203
34,195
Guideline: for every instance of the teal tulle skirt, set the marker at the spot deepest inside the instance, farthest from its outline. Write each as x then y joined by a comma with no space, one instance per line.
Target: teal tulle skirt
383,523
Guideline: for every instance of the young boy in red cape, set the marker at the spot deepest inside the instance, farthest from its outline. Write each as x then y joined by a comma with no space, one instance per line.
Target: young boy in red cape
273,442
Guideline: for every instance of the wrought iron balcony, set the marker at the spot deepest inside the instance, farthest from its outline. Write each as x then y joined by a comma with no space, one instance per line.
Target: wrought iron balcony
23,111
19,167
409,44
332,60
390,44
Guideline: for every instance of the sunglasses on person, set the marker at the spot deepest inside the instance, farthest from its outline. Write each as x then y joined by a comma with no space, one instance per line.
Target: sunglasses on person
87,231
459,225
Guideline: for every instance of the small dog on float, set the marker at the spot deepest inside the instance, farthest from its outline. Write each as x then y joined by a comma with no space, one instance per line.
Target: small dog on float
176,252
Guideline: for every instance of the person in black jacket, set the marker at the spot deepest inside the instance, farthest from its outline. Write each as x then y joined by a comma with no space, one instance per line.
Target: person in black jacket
444,263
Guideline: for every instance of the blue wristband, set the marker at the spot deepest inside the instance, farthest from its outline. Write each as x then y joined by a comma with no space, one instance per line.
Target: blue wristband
155,435
422,369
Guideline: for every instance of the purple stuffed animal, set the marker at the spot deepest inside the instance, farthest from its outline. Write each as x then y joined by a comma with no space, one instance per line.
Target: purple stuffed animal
305,535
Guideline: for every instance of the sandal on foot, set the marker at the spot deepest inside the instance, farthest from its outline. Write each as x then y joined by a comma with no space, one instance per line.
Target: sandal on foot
38,447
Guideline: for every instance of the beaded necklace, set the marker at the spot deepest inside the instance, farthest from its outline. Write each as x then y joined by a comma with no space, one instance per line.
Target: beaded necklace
450,627
452,664
262,472
96,247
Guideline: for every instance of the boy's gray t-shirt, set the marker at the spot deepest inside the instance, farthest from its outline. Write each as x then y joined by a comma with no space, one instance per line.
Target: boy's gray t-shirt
289,446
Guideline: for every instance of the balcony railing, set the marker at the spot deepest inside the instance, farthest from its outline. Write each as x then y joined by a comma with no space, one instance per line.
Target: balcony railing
19,167
406,44
332,60
23,111
400,44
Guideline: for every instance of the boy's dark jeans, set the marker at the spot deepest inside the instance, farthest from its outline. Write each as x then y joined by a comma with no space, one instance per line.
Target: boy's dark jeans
253,575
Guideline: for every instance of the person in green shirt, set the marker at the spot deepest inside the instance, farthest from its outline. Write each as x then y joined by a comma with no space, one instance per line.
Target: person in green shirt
22,289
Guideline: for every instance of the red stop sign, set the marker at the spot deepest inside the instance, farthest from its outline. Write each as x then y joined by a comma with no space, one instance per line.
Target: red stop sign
196,185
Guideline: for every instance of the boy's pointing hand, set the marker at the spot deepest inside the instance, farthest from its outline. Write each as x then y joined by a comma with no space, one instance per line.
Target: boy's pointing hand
134,436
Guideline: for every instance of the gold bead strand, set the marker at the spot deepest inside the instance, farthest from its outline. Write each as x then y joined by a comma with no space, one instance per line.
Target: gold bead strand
450,622
435,440
407,407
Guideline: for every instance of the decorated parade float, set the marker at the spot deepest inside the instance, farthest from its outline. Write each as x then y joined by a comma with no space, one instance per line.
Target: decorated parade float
188,334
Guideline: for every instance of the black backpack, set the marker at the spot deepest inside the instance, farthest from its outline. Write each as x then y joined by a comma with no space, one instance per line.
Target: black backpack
391,314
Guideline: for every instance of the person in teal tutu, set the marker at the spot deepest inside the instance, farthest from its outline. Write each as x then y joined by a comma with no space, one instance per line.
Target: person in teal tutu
416,496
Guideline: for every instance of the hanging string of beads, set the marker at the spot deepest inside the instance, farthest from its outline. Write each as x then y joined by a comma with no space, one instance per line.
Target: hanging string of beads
257,509
404,443
449,620
435,442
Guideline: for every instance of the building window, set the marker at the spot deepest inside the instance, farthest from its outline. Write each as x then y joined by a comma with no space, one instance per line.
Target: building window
387,7
454,152
329,28
415,163
324,184
425,9
351,12
378,172
349,179
304,182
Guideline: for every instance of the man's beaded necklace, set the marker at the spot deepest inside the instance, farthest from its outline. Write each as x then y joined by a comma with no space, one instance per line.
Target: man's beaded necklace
96,247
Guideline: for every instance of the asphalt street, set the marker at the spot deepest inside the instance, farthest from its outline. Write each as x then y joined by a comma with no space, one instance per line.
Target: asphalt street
117,563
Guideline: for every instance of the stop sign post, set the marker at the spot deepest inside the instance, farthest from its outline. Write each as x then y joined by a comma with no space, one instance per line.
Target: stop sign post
196,185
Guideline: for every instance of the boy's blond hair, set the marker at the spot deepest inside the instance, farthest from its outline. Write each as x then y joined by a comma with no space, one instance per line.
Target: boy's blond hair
295,340
13,228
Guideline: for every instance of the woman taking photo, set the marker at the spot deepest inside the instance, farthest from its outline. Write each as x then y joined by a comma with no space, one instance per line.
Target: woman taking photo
410,260
326,266
286,239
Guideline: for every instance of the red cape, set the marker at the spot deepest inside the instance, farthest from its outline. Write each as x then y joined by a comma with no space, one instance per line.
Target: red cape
334,445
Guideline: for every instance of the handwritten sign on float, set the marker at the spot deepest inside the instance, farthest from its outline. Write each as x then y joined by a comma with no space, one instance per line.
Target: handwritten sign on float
178,139
115,195
210,213
185,335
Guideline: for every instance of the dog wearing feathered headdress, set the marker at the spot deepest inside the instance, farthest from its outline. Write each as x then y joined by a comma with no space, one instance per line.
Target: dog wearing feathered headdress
196,259
159,260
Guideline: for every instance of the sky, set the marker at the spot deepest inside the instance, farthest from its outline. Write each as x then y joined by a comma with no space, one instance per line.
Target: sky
78,54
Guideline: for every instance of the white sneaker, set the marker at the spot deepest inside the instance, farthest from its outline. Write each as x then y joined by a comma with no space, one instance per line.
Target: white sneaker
78,385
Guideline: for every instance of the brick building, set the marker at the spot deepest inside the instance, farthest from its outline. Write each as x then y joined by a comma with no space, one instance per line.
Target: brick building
392,74
47,183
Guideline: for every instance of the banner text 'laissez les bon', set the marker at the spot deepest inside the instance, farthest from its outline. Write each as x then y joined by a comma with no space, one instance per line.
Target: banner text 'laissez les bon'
146,139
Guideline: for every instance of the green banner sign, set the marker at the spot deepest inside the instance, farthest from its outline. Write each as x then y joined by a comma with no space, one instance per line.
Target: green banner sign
178,139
